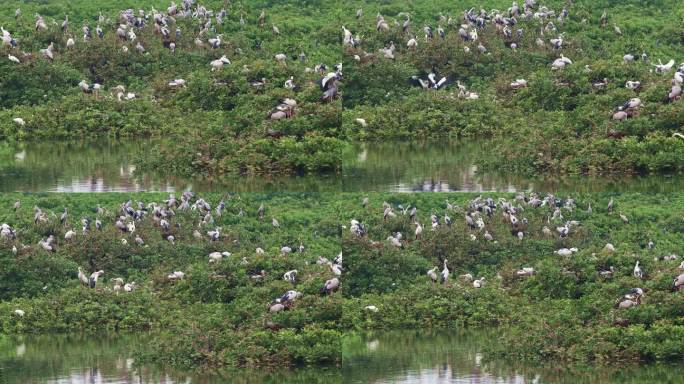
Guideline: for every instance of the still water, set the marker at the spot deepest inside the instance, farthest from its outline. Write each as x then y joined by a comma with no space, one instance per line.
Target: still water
402,357
448,166
108,166
62,359
417,357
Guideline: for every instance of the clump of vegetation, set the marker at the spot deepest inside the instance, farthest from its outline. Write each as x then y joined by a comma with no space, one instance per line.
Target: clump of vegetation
198,308
527,271
199,319
554,120
217,119
220,118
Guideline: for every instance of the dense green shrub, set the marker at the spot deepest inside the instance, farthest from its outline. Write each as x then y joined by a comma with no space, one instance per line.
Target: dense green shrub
223,300
564,311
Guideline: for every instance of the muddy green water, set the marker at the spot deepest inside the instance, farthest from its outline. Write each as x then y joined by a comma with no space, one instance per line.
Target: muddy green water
448,166
416,357
108,165
409,357
110,359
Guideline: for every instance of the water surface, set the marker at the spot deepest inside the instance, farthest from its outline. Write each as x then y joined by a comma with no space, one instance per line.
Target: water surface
440,357
449,166
108,166
110,359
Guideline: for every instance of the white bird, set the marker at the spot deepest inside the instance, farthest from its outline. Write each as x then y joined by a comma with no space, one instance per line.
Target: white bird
675,92
479,282
565,251
19,312
371,308
609,248
176,275
83,85
215,257
46,245
444,275
290,276
638,272
432,274
335,268
419,230
632,84
466,277
624,218
519,83
662,68
217,65
330,286
394,241
47,52
678,282
82,277
118,281
19,121
177,83
214,235
280,58
214,42
632,103
92,281
561,62
13,59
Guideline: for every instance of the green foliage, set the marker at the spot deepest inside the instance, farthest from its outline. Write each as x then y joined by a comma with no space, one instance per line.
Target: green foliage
221,300
219,109
219,122
564,311
560,123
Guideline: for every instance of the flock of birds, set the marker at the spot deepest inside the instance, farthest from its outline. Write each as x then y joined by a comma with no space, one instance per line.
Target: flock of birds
130,215
508,25
482,215
131,23
512,25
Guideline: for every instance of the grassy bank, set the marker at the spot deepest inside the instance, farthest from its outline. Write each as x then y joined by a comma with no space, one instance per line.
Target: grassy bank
198,319
218,120
202,318
563,310
560,121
